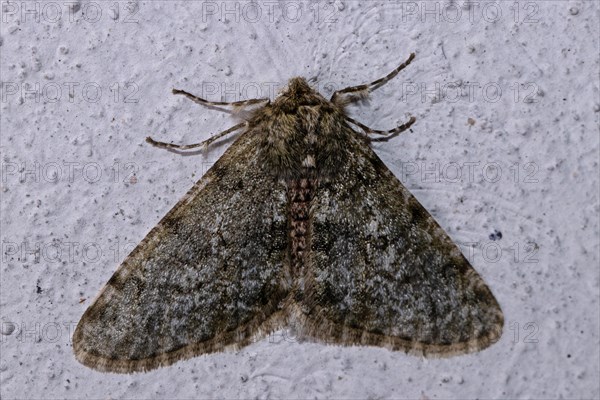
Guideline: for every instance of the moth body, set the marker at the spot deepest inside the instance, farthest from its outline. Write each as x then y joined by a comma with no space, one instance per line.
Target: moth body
299,223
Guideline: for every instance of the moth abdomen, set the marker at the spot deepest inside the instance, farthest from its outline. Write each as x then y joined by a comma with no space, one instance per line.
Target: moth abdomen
300,195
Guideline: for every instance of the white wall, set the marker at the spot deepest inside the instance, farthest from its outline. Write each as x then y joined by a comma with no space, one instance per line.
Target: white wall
68,187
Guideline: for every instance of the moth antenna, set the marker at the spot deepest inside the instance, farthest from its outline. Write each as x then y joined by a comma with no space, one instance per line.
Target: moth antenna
387,134
350,98
203,144
235,104
337,97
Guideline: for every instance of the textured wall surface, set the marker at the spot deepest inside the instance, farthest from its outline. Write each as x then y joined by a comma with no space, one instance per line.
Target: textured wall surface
504,154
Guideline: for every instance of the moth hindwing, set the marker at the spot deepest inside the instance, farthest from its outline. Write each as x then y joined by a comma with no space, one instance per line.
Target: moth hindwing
298,223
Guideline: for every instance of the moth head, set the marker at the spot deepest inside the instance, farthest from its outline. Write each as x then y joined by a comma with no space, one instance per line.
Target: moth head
298,86
297,93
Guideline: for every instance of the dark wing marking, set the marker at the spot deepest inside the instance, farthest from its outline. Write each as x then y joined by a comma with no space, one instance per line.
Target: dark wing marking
383,272
206,277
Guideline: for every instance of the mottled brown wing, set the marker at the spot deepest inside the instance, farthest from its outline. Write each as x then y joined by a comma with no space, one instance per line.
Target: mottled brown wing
382,271
206,277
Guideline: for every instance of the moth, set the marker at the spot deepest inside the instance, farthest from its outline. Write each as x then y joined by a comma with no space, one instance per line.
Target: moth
298,224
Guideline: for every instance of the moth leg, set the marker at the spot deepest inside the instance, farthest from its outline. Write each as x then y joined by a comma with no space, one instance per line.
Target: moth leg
242,103
191,146
361,91
387,134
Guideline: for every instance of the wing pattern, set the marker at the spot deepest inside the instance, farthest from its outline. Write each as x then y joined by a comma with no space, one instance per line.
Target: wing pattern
383,272
206,277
